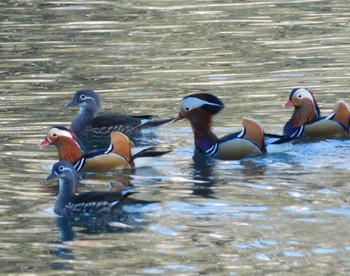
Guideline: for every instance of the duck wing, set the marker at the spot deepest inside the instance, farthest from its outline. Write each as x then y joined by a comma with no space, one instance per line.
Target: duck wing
106,120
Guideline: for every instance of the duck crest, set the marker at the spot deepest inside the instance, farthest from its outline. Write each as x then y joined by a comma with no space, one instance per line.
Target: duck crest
205,101
68,150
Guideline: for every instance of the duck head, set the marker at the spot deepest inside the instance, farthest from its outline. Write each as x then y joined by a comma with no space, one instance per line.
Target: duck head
68,181
64,170
305,106
66,142
86,99
199,109
194,106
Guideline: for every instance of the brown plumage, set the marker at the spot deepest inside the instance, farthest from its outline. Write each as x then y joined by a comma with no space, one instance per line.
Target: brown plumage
117,156
306,120
304,113
199,109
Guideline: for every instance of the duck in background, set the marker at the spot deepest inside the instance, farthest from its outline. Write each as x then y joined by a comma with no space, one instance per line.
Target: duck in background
306,120
93,131
119,155
251,141
68,203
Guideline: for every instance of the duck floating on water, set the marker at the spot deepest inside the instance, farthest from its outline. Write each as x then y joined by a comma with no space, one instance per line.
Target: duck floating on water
68,203
119,155
93,130
251,141
306,120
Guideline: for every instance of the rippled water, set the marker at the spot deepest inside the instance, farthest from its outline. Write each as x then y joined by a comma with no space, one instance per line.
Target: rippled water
275,214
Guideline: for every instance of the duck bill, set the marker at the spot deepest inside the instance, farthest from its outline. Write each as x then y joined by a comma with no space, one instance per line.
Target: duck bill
288,104
51,176
44,143
72,103
178,118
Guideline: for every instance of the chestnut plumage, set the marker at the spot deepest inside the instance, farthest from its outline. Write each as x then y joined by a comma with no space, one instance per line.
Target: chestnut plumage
307,122
119,155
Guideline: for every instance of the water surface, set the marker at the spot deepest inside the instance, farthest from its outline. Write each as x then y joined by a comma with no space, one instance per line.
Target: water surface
278,213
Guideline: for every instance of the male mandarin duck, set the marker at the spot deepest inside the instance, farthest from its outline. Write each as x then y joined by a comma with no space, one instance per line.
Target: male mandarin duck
67,203
93,131
306,121
118,156
251,141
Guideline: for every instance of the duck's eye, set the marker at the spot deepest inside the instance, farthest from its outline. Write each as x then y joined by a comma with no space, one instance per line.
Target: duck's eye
82,96
60,168
187,108
300,96
54,135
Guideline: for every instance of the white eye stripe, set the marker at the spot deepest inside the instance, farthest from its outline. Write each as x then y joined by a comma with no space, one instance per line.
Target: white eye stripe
60,132
192,102
65,169
304,93
88,98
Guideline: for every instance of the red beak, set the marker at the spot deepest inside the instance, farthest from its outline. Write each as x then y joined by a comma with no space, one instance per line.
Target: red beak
178,118
44,143
288,104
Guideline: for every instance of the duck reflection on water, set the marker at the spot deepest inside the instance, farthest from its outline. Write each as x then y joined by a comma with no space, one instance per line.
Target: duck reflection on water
90,225
203,171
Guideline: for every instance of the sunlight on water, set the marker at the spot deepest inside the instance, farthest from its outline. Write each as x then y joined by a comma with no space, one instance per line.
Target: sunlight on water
286,211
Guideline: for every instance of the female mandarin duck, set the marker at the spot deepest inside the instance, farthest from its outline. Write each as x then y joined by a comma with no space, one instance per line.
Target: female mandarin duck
93,131
67,203
251,141
307,122
118,156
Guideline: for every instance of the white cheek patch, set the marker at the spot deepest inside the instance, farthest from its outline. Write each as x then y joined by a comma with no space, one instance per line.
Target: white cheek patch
192,102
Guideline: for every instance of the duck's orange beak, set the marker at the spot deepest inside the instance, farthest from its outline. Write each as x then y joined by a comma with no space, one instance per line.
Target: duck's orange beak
288,104
44,143
178,118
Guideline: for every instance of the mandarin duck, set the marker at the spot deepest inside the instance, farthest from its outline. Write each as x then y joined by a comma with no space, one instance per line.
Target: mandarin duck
306,121
68,203
119,155
93,131
251,141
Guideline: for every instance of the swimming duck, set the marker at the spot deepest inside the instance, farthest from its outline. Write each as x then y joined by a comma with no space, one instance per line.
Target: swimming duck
251,141
67,203
306,121
119,155
93,131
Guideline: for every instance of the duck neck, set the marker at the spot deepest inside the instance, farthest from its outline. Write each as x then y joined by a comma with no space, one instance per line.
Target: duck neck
66,193
69,150
305,113
204,138
83,119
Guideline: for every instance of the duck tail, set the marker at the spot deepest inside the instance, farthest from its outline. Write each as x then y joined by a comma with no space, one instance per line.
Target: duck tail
153,123
147,153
